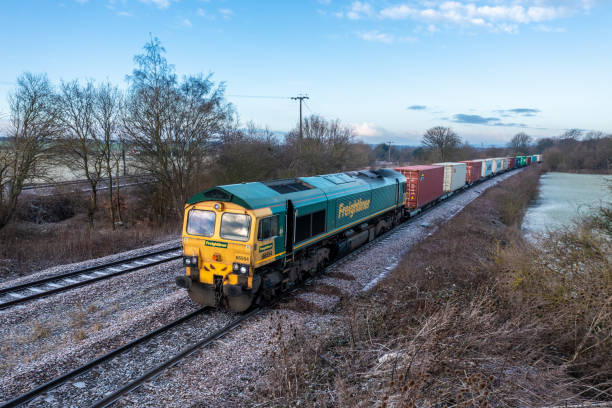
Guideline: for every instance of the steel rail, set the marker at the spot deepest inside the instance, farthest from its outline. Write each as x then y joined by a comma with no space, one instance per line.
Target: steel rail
30,395
107,266
132,385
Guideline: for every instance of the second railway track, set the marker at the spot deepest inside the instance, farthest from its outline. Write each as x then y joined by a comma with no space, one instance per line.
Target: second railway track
18,294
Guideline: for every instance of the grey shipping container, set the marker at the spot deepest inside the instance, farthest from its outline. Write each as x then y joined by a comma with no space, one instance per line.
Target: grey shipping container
454,175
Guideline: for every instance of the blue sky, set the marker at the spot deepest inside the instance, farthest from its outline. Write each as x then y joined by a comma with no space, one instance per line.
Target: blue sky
391,69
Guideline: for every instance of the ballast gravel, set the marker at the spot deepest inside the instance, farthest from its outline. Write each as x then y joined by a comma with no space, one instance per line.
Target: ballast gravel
45,338
226,374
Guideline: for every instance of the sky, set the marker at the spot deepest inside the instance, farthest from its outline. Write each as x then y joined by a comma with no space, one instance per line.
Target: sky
390,69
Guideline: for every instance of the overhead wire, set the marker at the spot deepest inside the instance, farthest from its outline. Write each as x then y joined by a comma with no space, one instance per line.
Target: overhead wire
258,96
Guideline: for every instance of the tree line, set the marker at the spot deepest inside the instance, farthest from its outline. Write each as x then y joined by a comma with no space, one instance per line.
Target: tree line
179,131
183,133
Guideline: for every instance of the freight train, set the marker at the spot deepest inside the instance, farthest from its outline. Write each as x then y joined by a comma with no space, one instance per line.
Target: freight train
243,243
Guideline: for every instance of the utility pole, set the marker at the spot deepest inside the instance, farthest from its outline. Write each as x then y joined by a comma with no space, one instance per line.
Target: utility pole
389,143
300,98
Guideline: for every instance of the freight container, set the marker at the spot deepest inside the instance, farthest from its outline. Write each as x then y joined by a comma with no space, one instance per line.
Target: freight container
534,158
454,175
539,158
511,163
424,184
497,165
527,160
487,167
473,170
521,161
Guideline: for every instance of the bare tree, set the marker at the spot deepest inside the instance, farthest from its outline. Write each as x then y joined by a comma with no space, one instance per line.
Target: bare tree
33,123
326,146
107,118
571,134
249,154
519,144
442,141
81,151
169,124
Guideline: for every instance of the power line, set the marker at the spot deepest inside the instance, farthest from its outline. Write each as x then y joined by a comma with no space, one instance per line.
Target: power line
259,96
308,107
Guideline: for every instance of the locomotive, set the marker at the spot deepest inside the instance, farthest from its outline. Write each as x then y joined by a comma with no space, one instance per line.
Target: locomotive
243,243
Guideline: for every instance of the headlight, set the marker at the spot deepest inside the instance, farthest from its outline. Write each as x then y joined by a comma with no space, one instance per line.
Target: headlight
240,268
190,261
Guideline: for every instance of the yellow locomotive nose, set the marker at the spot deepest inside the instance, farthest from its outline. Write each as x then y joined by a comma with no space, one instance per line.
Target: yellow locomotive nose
219,236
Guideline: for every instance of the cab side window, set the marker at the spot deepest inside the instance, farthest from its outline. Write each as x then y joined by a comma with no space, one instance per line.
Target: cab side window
268,228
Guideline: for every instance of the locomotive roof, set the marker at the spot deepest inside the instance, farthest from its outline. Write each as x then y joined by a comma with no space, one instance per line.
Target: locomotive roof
302,189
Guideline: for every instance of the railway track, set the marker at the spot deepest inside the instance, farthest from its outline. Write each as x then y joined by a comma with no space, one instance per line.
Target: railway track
25,292
111,397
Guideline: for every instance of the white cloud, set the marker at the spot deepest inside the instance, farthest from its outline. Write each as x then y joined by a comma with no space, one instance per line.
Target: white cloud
398,12
186,23
496,15
160,4
124,14
200,12
227,13
366,129
358,10
376,36
548,29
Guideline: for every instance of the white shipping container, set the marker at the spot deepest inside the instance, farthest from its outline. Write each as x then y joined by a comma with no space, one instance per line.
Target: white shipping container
497,165
454,175
487,167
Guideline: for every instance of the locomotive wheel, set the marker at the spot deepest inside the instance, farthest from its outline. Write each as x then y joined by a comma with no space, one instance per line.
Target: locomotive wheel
202,295
239,303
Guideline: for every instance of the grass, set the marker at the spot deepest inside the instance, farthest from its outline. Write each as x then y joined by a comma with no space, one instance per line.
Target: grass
54,230
475,316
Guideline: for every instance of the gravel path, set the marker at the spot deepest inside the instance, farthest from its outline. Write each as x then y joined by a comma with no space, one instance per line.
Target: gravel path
225,374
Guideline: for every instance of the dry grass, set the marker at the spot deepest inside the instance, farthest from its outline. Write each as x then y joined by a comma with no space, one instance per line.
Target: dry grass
54,230
469,320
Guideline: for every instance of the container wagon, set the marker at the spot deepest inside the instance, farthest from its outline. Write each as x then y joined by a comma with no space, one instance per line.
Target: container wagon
497,165
424,184
539,158
511,163
487,168
527,160
454,175
473,170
